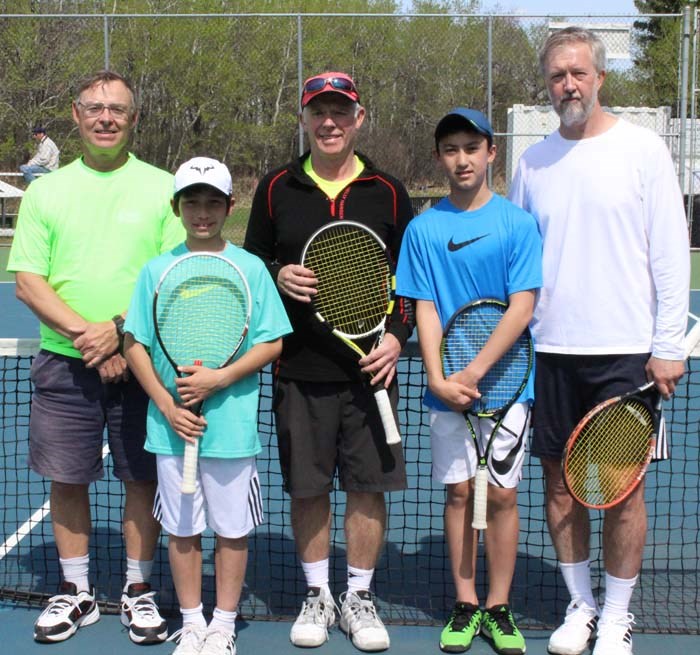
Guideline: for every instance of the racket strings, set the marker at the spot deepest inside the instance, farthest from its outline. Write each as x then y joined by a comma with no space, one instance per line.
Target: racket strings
354,280
610,452
465,338
202,312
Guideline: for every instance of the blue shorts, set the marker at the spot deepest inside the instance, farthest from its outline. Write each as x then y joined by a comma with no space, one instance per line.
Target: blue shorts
71,407
568,386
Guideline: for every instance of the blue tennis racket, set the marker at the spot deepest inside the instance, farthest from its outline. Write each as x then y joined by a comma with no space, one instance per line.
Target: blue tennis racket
465,335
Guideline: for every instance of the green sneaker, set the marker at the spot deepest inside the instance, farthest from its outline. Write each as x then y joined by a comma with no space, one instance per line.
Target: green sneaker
499,626
463,626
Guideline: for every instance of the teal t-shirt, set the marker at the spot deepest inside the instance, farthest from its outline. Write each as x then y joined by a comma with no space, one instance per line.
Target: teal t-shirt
232,413
90,233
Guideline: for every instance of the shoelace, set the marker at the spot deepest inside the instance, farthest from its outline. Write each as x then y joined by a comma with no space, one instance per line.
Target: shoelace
363,611
502,619
60,603
143,605
187,632
462,618
621,623
215,641
315,611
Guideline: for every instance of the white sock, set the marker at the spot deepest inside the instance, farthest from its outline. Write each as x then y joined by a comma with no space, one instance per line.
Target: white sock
193,616
618,593
359,579
316,574
577,577
137,571
75,570
223,621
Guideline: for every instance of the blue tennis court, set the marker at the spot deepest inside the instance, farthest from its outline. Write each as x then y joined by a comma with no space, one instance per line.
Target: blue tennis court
412,583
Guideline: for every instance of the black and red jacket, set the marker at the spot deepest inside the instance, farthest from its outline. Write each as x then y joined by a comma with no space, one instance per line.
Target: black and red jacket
288,207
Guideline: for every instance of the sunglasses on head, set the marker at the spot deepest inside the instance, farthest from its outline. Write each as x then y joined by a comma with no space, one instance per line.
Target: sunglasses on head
339,83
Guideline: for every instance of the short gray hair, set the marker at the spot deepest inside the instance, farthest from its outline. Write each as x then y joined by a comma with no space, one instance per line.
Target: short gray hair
571,35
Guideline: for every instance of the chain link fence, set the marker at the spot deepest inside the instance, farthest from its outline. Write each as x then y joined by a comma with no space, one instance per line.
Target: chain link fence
228,85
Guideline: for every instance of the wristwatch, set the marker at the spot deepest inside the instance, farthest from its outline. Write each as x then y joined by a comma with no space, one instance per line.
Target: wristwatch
118,321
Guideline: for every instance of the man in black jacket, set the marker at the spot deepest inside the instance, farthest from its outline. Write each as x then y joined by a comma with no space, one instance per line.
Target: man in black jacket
326,415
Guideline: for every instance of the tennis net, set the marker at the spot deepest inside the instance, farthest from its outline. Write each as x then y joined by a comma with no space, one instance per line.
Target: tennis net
413,582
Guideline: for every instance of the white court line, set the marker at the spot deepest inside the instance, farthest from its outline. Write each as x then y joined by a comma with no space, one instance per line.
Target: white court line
14,539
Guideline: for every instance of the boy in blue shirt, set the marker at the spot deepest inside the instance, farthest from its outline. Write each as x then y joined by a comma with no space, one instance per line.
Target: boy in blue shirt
473,244
227,432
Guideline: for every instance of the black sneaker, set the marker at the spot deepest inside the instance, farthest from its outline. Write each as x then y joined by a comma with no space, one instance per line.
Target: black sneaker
140,614
65,613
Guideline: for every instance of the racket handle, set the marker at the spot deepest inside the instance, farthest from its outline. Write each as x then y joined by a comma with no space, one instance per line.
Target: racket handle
481,483
189,468
387,415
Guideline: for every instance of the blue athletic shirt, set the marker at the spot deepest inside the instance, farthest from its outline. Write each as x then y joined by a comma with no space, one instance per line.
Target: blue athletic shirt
232,413
453,257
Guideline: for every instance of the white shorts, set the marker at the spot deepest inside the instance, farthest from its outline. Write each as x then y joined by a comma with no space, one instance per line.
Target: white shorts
454,455
227,497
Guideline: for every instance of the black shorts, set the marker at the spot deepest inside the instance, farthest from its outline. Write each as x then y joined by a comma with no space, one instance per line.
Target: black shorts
324,427
568,386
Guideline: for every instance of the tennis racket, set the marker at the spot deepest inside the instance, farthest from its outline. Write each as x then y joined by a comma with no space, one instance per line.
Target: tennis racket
201,312
356,290
609,451
465,335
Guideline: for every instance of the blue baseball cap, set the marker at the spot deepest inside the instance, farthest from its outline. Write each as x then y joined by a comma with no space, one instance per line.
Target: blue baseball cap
475,119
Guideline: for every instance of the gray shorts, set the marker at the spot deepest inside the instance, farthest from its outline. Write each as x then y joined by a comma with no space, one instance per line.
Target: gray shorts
71,408
324,427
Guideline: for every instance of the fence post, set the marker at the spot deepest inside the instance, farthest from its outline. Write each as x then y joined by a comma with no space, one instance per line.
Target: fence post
105,36
684,97
489,86
300,79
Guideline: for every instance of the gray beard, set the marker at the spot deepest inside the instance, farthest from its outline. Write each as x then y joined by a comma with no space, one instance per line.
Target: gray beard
572,114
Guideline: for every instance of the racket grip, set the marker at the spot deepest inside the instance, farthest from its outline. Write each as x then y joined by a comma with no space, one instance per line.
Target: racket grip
387,415
481,482
189,468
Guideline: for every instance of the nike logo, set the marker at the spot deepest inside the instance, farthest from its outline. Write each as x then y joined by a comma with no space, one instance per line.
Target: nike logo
503,466
453,247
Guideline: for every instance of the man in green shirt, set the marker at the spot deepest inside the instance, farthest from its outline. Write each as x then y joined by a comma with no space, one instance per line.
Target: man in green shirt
83,234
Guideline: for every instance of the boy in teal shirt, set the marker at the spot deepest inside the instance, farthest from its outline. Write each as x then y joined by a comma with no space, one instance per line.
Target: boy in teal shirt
227,433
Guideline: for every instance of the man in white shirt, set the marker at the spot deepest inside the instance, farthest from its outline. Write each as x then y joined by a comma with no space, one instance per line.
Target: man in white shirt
44,160
611,313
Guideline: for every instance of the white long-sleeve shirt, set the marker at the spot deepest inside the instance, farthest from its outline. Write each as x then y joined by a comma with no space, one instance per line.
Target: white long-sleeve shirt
616,260
46,155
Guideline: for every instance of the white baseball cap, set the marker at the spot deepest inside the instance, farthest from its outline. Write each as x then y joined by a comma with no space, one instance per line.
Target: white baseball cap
204,170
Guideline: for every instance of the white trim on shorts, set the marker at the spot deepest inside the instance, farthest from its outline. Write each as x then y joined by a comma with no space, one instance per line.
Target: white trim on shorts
227,497
454,455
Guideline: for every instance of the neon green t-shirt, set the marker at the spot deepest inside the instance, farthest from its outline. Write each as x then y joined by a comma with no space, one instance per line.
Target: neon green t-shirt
90,233
332,187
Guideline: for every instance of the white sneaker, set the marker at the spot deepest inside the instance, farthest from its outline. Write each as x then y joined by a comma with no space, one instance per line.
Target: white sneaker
65,613
359,620
189,639
218,642
316,616
615,637
572,636
140,614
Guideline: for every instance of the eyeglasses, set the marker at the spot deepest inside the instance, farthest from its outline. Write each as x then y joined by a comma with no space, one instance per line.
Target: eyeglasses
338,83
95,109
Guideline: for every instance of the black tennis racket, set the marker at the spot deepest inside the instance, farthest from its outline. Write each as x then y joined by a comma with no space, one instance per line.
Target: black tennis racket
609,451
201,312
356,290
465,335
